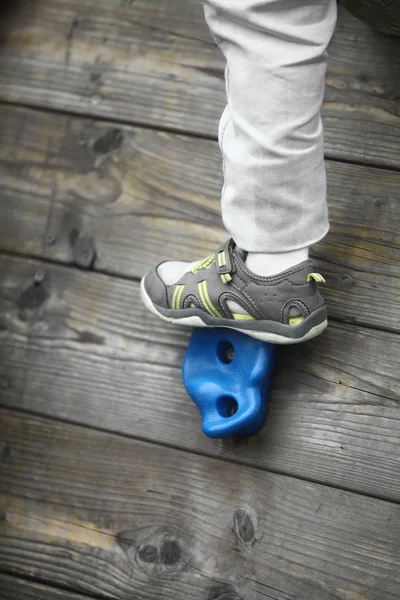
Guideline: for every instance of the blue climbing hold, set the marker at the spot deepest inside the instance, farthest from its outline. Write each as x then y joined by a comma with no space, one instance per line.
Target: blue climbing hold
227,375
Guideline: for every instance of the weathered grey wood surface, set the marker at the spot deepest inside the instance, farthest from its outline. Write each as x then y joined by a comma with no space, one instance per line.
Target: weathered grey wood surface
153,62
122,199
381,14
80,346
101,514
174,515
14,588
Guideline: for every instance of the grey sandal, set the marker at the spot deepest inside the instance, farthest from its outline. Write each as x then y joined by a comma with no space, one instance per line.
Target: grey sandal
284,309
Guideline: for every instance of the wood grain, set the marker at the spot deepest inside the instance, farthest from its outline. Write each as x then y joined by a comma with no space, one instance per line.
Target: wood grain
15,588
381,14
118,518
121,199
153,62
79,346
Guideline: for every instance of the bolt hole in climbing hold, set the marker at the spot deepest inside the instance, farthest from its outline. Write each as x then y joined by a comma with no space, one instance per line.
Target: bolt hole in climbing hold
226,352
227,406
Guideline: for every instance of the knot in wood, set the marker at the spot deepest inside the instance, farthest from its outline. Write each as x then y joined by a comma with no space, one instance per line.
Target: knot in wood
162,552
84,249
243,527
110,141
223,592
344,281
33,297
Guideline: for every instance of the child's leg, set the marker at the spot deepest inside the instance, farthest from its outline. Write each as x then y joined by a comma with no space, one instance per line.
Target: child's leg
274,197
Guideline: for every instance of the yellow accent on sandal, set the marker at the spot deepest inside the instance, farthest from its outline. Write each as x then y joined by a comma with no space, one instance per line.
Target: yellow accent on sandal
225,278
176,298
242,317
174,295
293,321
204,264
205,288
316,277
205,298
222,258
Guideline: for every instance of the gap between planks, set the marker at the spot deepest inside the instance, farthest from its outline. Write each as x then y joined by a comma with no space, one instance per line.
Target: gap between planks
22,587
132,278
165,129
161,444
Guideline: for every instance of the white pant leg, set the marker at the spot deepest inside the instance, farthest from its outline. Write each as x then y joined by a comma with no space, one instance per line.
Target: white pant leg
274,197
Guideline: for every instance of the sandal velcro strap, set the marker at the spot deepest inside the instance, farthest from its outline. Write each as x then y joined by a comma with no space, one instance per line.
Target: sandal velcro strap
224,259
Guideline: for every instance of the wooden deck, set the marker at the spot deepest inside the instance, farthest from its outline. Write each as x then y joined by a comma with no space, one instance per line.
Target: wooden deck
108,489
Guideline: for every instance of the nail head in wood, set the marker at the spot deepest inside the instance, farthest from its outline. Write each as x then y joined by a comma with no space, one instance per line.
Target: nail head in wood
95,100
5,382
50,238
38,277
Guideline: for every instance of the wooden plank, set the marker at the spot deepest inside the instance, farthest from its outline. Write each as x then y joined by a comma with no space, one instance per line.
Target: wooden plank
153,62
116,518
15,588
123,198
383,14
80,346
